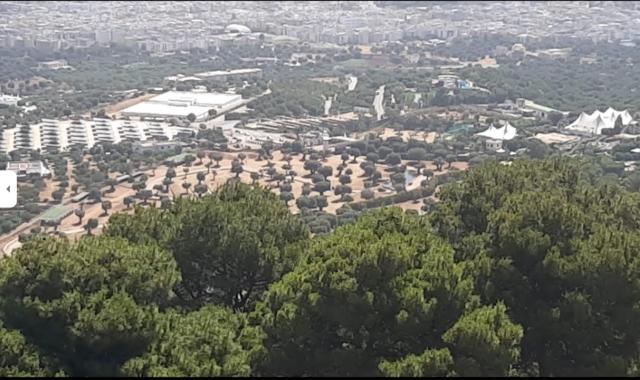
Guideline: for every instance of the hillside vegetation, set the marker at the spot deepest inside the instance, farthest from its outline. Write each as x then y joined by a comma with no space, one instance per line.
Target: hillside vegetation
526,269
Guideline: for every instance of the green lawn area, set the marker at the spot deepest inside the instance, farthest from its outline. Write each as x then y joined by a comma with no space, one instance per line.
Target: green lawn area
57,213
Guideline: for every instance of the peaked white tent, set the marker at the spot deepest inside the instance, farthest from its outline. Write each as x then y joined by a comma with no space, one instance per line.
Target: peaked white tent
597,121
506,132
611,114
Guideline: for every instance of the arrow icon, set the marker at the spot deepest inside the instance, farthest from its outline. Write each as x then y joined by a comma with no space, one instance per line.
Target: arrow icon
8,179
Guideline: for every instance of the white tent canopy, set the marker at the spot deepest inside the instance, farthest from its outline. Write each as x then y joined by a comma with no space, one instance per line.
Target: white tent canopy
598,121
612,115
507,132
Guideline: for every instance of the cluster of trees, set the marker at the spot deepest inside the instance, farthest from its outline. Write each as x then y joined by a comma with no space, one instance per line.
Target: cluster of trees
28,198
51,94
391,151
130,69
394,149
421,123
403,196
441,97
525,269
109,159
562,260
29,206
369,80
472,49
321,222
212,138
58,164
566,85
121,159
293,97
100,75
362,96
603,170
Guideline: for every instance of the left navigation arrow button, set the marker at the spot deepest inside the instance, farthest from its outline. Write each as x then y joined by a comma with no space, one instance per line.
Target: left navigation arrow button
9,182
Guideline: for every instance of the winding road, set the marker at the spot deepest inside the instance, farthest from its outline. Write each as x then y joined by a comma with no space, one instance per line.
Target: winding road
327,103
353,81
377,102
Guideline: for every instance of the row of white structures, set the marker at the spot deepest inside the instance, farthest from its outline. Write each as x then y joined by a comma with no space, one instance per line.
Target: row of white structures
585,124
597,121
62,134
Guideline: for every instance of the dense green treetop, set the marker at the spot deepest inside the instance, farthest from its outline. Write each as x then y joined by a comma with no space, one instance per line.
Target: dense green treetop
380,289
558,251
229,245
90,304
20,359
521,270
210,342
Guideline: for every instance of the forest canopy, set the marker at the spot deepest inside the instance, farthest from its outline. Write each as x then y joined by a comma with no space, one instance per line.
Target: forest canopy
528,269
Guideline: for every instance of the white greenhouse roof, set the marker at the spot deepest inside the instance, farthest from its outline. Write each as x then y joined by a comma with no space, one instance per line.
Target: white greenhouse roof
598,121
507,132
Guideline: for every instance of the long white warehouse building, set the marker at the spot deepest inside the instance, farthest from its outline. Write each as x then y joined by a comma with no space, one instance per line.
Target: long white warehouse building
179,104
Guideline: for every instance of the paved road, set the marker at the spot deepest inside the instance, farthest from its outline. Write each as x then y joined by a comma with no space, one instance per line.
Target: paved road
377,102
327,105
328,102
353,81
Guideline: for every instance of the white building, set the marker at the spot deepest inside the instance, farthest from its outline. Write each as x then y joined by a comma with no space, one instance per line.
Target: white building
23,169
158,146
9,100
597,121
179,104
54,65
495,136
506,132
